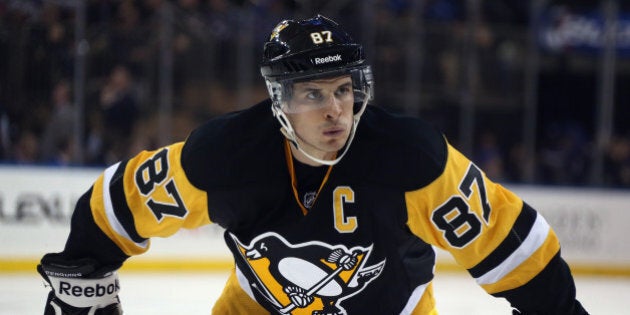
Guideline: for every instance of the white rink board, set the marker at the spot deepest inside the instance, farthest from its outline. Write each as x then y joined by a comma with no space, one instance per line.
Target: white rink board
36,203
592,224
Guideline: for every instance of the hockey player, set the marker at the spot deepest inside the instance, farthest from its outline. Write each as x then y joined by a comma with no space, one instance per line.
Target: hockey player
323,214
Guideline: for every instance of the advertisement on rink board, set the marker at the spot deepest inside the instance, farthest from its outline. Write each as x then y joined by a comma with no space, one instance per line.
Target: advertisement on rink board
36,204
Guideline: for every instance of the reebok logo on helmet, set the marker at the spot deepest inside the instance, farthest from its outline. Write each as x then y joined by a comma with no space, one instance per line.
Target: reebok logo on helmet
327,59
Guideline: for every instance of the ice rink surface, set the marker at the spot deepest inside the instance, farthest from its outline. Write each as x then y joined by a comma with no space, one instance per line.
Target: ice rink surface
194,294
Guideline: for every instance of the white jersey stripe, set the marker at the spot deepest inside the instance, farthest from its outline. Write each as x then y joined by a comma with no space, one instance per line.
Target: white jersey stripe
109,207
415,297
532,242
244,283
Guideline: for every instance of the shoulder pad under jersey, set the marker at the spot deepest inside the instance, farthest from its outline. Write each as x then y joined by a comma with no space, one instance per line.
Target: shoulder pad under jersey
236,148
396,151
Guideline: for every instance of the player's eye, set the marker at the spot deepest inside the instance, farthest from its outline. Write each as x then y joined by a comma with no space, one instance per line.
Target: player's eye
314,95
344,90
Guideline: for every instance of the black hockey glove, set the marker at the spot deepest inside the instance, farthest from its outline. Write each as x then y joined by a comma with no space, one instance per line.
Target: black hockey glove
78,287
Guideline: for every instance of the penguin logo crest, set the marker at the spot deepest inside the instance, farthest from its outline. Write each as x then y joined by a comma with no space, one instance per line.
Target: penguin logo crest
311,278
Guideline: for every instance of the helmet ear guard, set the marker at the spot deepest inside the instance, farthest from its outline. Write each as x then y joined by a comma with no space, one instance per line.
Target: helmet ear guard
313,49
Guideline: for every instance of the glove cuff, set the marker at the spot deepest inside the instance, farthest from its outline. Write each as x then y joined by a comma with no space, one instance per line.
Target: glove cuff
79,283
86,292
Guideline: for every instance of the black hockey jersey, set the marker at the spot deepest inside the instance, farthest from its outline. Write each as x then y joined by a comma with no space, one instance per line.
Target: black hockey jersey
364,244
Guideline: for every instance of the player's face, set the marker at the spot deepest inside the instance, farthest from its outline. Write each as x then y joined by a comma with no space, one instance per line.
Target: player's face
322,114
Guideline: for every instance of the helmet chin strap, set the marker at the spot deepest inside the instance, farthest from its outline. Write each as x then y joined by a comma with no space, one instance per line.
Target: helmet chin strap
289,133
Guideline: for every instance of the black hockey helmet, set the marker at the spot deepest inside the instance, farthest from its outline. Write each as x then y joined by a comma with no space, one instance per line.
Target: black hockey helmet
311,49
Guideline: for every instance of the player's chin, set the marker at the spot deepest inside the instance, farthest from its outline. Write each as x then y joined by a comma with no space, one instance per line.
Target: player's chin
335,144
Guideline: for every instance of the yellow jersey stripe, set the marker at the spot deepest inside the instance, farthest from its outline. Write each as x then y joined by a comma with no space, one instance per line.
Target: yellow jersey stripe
531,244
173,191
414,299
421,301
531,267
97,205
426,306
423,205
109,208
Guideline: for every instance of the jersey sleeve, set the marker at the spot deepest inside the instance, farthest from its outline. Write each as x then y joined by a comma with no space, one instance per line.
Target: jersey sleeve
146,196
504,244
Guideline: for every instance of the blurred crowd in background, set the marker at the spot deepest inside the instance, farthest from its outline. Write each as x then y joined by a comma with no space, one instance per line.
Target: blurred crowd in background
201,56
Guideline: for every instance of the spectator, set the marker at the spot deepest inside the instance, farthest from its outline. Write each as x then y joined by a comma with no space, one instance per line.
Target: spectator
489,156
4,134
94,146
564,156
129,37
57,140
26,148
120,112
617,163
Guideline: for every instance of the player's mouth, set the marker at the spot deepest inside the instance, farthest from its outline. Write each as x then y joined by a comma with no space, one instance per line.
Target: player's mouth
334,132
